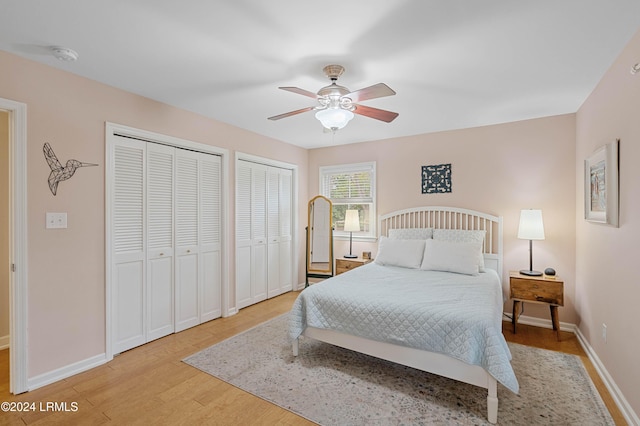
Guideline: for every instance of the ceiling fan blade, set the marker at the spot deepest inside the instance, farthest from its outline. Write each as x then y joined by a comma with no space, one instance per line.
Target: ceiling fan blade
290,113
378,114
376,91
300,91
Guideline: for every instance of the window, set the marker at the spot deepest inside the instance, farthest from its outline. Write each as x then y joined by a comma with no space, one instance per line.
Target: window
351,187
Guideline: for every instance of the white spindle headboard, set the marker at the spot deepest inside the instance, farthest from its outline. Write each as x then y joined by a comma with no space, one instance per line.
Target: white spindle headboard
438,217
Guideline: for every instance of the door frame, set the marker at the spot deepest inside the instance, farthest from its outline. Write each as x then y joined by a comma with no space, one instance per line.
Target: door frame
17,244
112,131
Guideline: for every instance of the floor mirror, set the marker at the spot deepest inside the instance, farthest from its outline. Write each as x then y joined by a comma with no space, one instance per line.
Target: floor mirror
319,239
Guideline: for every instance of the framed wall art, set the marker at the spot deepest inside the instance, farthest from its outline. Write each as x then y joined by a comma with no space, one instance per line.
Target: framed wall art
601,185
436,179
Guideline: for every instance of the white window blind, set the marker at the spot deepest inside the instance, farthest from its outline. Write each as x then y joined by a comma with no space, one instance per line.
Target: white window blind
351,187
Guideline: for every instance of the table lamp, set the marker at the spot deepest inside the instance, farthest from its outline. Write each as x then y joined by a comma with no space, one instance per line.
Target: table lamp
351,225
531,228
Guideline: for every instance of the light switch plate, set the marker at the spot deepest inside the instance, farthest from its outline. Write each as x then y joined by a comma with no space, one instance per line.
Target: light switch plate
56,220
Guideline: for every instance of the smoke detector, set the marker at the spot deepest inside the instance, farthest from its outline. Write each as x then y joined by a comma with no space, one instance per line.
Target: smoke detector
64,53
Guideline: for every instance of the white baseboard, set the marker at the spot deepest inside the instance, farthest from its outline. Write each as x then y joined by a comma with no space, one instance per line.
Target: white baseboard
64,372
543,323
230,312
4,342
630,416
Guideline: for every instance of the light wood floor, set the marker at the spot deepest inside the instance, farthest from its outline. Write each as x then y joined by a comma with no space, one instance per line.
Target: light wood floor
150,384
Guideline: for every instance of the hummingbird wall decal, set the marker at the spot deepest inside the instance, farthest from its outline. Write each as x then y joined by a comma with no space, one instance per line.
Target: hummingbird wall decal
58,171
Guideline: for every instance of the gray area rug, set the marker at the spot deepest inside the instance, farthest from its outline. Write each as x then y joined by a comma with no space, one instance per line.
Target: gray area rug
334,386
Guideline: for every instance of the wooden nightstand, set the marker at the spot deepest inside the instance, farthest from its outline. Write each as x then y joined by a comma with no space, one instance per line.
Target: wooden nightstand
543,289
344,265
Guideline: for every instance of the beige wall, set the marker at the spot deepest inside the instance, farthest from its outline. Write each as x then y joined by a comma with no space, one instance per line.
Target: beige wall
66,288
607,258
4,225
497,169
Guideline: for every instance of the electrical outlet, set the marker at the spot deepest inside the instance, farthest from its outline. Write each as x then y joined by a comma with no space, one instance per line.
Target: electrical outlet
604,332
56,220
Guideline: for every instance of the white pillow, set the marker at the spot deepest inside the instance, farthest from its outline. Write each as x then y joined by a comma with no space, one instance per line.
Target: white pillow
447,256
405,253
411,233
463,236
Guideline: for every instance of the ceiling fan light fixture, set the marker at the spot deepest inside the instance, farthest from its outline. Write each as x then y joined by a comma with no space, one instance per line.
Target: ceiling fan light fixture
334,118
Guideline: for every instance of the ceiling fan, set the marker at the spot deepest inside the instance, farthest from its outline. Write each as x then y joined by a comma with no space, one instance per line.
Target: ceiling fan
337,104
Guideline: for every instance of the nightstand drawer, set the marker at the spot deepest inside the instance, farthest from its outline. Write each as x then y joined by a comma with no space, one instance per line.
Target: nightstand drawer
344,265
537,291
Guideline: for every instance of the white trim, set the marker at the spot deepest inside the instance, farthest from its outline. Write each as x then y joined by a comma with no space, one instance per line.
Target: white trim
265,161
66,371
294,210
542,323
111,130
4,342
625,408
18,244
372,235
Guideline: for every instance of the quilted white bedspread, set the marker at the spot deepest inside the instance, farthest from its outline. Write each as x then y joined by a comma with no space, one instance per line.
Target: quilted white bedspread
453,314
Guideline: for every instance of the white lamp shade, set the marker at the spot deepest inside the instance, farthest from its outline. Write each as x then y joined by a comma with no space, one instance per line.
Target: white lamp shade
531,226
352,221
334,118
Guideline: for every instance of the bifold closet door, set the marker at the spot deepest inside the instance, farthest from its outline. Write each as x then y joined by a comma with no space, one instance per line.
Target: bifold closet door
243,234
160,252
279,231
210,226
251,233
166,267
198,257
128,272
286,241
263,232
186,211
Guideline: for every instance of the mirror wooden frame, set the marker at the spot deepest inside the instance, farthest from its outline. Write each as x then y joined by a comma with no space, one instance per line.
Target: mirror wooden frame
313,271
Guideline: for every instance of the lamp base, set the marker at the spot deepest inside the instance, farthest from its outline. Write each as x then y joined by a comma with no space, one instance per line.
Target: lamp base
531,273
350,256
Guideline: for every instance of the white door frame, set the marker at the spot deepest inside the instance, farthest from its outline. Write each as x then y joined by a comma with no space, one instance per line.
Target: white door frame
17,244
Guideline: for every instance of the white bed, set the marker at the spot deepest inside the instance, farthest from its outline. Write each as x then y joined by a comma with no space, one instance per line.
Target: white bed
356,310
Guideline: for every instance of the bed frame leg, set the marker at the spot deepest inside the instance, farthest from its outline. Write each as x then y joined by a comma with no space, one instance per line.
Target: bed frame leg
492,401
295,347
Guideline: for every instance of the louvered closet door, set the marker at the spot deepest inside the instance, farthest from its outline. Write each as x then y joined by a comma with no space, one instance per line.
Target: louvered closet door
210,240
263,232
279,231
286,218
127,245
259,257
243,234
273,230
160,259
186,216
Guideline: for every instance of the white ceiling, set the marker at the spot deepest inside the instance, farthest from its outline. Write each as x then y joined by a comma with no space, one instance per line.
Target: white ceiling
453,63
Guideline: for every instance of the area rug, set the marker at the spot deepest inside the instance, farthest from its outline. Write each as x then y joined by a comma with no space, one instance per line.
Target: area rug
334,386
